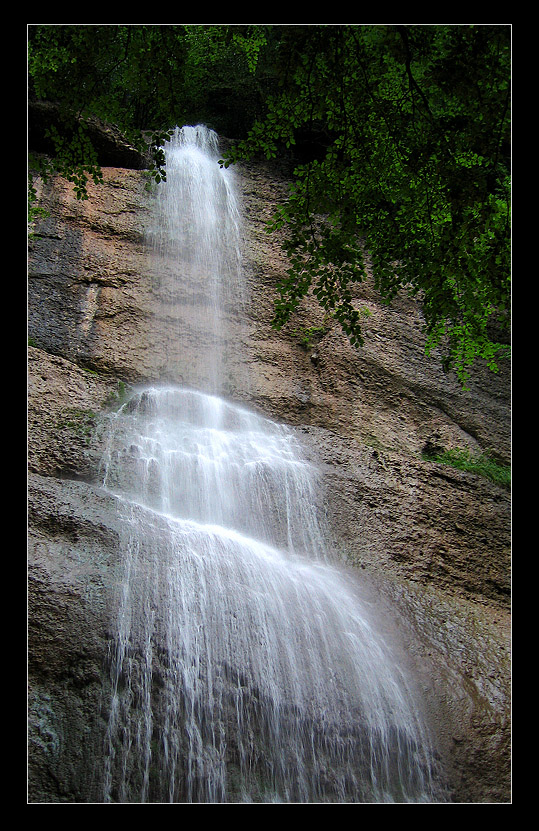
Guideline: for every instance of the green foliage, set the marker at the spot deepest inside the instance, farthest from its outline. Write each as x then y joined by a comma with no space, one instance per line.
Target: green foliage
74,158
482,464
409,175
309,335
130,76
80,422
34,210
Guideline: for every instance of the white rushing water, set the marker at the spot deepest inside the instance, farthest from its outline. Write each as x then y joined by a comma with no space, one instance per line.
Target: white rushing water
245,666
195,240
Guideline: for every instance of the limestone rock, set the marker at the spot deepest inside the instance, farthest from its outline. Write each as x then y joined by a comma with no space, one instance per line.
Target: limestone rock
433,540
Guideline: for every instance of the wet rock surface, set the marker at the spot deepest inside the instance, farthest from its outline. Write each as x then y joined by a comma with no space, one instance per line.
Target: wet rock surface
433,541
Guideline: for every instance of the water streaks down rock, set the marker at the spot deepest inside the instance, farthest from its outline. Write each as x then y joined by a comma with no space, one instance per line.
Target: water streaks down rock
432,546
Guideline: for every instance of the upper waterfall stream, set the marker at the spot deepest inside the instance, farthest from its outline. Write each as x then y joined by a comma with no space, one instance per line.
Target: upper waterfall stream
246,665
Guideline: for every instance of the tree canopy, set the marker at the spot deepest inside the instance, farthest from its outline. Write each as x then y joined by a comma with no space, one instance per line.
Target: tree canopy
399,137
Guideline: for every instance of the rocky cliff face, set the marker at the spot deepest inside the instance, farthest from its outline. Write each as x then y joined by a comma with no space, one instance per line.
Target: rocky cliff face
432,541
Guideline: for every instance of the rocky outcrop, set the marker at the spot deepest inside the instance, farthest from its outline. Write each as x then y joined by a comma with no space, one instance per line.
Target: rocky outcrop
432,541
111,147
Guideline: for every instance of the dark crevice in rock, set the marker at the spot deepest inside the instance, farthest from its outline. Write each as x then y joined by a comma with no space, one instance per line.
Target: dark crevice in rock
112,149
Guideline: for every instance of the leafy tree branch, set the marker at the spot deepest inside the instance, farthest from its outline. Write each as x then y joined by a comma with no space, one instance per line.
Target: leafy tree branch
413,170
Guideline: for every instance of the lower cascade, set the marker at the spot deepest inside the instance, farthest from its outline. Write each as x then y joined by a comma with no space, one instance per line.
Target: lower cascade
245,668
245,665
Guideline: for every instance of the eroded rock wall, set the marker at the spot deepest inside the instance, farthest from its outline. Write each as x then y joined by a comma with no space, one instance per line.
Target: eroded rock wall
432,541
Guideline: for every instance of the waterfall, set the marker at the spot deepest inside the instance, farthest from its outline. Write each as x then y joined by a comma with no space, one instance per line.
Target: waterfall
195,242
245,666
